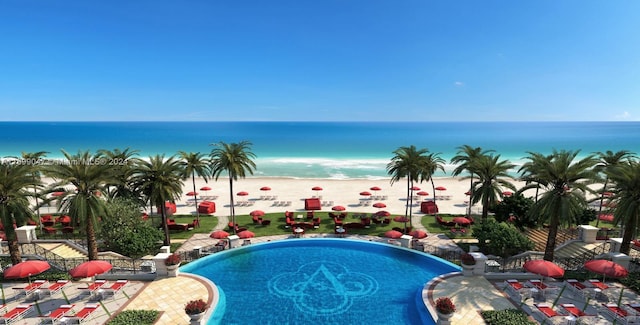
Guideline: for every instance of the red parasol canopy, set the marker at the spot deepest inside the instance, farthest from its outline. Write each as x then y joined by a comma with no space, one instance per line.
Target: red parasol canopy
256,213
606,268
441,188
467,193
192,193
507,193
422,193
57,194
242,193
90,268
316,188
365,193
393,234
219,234
338,208
25,269
462,221
401,219
418,234
415,188
544,268
382,213
265,188
205,188
375,188
246,234
379,205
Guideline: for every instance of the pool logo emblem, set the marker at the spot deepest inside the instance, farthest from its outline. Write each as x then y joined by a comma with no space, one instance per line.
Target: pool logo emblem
323,288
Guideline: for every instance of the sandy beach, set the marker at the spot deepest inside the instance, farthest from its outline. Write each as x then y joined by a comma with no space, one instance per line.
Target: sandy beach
334,192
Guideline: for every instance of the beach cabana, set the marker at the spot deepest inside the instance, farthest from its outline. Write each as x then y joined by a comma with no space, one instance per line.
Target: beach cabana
429,207
207,207
312,204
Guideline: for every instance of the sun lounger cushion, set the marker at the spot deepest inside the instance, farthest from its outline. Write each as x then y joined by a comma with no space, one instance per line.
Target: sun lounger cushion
546,310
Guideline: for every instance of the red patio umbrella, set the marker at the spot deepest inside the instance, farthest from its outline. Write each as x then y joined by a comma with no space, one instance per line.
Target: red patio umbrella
418,234
242,193
462,221
90,268
375,188
382,213
317,189
205,188
26,269
57,194
507,193
365,193
467,193
415,188
606,268
544,268
441,188
256,213
422,193
219,234
246,234
393,234
401,219
338,208
379,205
265,188
192,193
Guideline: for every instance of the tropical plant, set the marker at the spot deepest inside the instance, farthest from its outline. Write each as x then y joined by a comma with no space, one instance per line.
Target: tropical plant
626,188
608,160
173,259
15,181
501,239
122,163
236,159
193,164
493,175
160,180
411,163
88,174
444,305
467,259
516,206
465,160
194,307
566,181
433,162
33,160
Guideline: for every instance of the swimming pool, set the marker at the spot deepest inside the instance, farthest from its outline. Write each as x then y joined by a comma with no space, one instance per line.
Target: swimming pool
320,281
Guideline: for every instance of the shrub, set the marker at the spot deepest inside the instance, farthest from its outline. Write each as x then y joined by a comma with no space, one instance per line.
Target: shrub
506,317
135,317
444,305
195,307
467,259
173,259
501,239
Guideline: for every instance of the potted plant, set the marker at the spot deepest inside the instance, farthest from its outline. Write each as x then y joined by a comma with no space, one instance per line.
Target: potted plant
445,309
468,264
173,262
196,309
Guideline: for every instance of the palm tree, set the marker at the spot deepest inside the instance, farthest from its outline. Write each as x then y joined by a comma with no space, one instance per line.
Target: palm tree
15,180
528,167
31,159
160,180
88,174
433,163
237,160
411,163
122,163
465,159
192,164
625,177
609,160
565,181
493,175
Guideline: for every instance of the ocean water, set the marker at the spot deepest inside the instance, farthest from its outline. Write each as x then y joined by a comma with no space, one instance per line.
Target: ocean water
338,150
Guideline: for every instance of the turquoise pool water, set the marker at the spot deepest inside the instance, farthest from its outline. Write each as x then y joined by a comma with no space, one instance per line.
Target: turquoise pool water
320,281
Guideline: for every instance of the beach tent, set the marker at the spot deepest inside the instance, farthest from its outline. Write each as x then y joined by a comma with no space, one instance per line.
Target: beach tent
207,207
170,208
429,207
312,204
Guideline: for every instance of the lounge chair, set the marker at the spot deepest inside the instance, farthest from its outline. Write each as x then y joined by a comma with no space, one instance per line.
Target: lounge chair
93,288
57,314
635,307
56,287
32,288
115,288
619,314
573,310
547,312
577,287
15,314
84,313
597,284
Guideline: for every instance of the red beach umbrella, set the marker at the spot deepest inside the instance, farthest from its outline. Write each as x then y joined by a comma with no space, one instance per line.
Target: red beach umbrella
441,188
379,205
316,188
256,213
418,234
26,269
57,194
507,193
606,268
422,193
219,234
246,234
382,213
192,193
375,188
338,208
415,188
242,193
393,234
401,219
90,268
544,268
467,193
365,193
205,188
265,188
462,221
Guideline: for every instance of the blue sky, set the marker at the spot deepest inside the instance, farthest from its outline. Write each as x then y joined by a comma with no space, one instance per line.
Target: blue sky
356,60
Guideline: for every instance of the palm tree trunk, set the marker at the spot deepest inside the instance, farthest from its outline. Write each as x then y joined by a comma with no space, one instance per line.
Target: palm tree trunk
485,208
92,246
433,188
604,188
14,249
406,208
411,201
470,196
627,236
195,196
232,207
550,248
35,195
165,225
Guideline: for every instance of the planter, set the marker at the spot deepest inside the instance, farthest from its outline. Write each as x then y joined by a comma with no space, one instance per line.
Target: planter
196,317
444,319
172,270
467,270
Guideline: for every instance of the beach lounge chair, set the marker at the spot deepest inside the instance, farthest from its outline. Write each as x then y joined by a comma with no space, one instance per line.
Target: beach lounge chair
15,314
547,312
84,314
573,310
619,314
56,287
32,288
115,288
57,314
597,284
93,288
635,307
